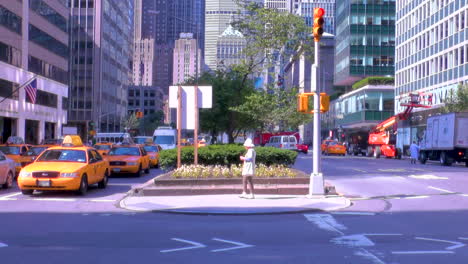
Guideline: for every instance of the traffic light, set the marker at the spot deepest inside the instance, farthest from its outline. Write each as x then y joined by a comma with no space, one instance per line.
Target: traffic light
318,23
139,114
324,102
91,129
302,103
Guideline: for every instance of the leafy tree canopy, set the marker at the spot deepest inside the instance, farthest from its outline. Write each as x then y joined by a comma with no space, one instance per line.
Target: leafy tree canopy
457,101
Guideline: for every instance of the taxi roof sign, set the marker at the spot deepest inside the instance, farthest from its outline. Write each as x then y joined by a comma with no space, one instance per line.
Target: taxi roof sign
72,141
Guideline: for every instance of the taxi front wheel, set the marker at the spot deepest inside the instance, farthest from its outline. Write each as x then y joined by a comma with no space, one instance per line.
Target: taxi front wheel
83,185
103,184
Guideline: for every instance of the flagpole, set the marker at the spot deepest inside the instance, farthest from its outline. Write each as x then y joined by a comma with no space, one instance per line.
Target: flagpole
17,89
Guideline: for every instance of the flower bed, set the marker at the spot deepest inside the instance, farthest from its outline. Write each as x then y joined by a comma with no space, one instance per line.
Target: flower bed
234,171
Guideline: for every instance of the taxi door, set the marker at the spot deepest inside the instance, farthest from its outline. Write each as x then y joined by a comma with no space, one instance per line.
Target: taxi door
100,165
92,168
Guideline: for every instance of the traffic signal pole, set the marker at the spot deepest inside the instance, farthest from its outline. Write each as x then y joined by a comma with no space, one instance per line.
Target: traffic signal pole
316,185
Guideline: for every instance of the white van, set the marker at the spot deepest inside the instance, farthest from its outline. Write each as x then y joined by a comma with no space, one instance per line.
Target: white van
282,142
166,137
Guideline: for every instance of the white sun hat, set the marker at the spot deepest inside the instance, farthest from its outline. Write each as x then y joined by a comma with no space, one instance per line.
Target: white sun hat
248,143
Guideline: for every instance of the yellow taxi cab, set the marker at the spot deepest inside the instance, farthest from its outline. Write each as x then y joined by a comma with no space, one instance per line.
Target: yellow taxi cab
29,156
153,153
103,147
335,147
128,158
71,166
13,149
324,145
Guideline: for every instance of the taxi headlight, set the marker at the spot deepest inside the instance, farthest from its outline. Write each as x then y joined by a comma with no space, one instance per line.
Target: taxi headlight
68,175
132,163
25,174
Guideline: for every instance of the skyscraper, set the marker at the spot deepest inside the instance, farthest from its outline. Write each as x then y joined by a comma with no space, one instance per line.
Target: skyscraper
163,21
283,5
101,49
185,58
33,44
365,40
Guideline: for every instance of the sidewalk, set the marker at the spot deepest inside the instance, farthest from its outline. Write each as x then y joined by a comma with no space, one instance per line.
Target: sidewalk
232,204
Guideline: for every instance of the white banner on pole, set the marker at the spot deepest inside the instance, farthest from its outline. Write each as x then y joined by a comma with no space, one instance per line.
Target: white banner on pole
205,94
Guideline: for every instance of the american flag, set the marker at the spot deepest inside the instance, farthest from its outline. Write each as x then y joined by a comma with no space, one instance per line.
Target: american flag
31,90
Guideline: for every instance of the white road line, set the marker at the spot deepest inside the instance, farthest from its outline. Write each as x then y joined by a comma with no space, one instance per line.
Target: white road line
105,214
104,201
421,252
239,245
366,254
8,197
194,245
352,213
326,222
53,199
3,245
466,195
417,197
359,170
455,244
439,189
463,238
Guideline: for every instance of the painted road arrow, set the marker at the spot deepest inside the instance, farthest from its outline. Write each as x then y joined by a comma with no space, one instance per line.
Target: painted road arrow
238,245
358,240
448,250
195,245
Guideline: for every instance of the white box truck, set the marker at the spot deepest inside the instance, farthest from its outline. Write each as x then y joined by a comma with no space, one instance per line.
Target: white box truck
445,139
166,137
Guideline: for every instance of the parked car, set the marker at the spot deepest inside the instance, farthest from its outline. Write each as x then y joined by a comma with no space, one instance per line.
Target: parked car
283,142
336,148
7,171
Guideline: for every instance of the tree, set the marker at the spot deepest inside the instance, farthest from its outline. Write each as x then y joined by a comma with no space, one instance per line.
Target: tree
457,101
150,122
273,107
227,93
130,122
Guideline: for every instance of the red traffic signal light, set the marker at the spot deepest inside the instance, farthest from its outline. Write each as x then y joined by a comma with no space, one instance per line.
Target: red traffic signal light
318,23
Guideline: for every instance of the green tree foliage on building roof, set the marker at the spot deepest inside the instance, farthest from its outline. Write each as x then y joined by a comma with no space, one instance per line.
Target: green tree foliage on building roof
374,81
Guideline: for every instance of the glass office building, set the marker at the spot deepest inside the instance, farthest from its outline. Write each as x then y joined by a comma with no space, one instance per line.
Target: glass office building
365,40
431,50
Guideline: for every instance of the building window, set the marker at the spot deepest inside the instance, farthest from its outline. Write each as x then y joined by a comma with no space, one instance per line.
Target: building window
44,98
10,55
48,42
47,70
49,14
7,88
64,103
10,20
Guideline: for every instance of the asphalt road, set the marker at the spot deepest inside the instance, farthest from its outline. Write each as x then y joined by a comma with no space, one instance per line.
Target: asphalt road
401,214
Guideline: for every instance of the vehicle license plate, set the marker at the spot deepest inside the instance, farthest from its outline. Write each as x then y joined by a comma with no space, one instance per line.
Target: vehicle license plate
116,169
43,183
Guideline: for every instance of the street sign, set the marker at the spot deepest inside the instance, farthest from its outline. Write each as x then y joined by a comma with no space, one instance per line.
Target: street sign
188,102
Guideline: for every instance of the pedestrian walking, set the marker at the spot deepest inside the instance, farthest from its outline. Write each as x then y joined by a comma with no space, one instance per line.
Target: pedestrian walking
414,150
248,169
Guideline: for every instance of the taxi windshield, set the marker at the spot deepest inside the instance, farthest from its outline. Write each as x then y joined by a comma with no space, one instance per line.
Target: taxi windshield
102,147
123,151
67,155
333,143
34,151
9,150
151,148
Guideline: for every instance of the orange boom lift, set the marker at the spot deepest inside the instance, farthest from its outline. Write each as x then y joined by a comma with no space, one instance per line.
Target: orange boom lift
382,138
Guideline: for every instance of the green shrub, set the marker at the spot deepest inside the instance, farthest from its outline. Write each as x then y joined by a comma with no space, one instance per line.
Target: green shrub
374,81
227,155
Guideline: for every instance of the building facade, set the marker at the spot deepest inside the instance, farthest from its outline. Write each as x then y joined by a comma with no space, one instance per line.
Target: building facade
143,62
431,56
101,53
230,47
187,63
33,44
289,6
306,10
365,40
